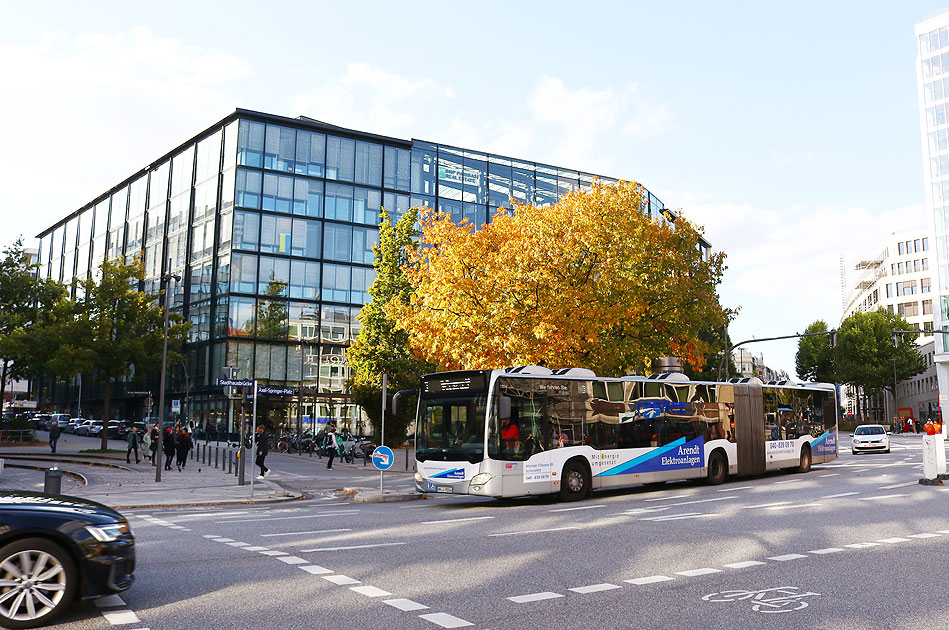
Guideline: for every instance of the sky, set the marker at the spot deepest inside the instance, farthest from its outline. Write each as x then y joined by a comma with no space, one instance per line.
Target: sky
791,133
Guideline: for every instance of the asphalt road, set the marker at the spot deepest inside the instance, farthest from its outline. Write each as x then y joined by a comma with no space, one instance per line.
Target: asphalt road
857,543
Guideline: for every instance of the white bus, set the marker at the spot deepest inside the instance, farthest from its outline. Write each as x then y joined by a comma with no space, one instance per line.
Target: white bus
530,430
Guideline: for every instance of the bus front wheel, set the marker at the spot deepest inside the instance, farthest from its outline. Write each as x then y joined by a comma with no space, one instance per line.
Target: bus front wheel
574,482
717,468
805,460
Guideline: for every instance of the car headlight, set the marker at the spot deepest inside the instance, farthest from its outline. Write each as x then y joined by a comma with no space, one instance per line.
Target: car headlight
481,478
418,478
108,533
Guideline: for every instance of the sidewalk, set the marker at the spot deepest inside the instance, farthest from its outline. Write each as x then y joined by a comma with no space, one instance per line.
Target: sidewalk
106,477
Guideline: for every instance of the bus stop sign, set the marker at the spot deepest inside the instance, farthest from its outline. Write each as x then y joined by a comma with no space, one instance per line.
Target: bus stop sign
382,458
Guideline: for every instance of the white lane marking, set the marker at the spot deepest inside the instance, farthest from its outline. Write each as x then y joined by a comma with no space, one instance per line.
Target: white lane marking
121,617
701,501
744,565
837,496
899,485
534,597
238,544
764,505
210,536
862,545
697,572
893,541
315,531
676,517
222,540
111,600
862,470
315,569
369,591
942,531
646,510
179,527
830,475
652,579
798,505
884,496
256,548
924,535
392,544
787,481
404,605
535,531
215,513
273,553
595,588
787,556
457,520
286,518
826,550
582,507
293,560
733,489
341,580
445,620
676,496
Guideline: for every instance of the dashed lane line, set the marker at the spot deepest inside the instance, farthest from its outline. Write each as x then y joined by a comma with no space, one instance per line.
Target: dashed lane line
788,556
534,597
582,507
825,550
456,520
445,620
794,506
286,518
652,579
535,531
677,496
595,588
893,541
315,531
743,565
764,505
341,580
830,475
405,605
370,591
734,489
697,572
677,517
881,497
837,496
899,485
349,547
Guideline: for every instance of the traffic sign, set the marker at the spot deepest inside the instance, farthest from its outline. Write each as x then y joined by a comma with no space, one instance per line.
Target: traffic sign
235,382
176,406
382,458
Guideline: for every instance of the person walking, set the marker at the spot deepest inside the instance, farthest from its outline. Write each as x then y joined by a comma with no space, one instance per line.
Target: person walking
54,433
330,441
147,444
133,445
263,448
168,445
183,446
156,438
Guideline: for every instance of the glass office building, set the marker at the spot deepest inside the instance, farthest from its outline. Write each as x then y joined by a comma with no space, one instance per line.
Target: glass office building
270,222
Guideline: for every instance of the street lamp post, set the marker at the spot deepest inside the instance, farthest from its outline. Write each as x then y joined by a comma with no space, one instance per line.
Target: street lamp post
167,278
896,405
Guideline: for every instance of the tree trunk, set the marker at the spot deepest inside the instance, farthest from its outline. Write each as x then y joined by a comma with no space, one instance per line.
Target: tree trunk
3,383
106,413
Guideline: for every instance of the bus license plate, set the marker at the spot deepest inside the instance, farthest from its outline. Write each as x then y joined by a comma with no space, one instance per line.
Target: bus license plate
447,489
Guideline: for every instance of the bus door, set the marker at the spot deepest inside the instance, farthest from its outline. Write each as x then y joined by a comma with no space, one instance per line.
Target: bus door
749,428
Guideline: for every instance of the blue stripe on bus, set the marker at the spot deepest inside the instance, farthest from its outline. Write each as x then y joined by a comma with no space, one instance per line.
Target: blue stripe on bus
455,473
625,467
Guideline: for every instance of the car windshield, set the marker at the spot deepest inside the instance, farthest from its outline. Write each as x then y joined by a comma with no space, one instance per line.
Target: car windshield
869,431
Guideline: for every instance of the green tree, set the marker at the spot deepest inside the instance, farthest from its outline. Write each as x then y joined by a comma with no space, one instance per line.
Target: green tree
865,354
110,330
25,300
382,344
815,359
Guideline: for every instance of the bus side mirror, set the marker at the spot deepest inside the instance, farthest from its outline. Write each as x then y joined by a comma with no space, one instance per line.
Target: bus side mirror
396,397
504,407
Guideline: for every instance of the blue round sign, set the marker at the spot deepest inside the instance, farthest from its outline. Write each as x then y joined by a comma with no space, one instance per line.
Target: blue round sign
382,458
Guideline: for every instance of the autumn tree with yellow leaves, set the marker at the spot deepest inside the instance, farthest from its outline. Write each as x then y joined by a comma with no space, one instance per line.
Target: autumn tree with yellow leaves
590,281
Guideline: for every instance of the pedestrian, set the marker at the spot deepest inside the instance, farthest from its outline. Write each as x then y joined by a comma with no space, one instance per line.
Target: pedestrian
330,441
53,436
133,445
156,437
263,448
147,444
183,446
168,445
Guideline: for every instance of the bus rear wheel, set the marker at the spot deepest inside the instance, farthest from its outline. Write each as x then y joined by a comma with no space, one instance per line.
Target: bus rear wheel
805,460
574,482
717,469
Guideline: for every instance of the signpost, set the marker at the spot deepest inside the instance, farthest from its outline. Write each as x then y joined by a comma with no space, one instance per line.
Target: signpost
241,451
176,406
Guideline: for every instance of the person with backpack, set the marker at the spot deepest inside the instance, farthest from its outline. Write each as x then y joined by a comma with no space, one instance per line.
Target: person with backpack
133,445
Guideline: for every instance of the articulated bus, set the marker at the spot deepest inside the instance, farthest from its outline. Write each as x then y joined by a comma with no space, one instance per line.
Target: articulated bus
531,430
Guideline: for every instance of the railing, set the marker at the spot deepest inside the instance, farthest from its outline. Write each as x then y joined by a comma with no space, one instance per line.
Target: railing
16,435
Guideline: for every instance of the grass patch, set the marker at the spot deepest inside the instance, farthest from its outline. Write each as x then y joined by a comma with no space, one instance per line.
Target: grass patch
99,451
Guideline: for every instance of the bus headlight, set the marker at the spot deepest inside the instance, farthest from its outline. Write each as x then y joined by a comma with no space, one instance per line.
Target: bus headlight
481,478
418,478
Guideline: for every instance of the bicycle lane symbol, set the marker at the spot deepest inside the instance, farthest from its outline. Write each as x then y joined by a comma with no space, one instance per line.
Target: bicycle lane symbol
782,599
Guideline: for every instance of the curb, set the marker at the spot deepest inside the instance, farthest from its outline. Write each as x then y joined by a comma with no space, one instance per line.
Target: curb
365,495
60,460
81,477
299,497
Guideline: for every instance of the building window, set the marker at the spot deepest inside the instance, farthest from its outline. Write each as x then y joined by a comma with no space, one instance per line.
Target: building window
250,144
925,265
336,283
279,148
909,309
925,244
311,150
899,268
928,308
889,290
902,248
924,285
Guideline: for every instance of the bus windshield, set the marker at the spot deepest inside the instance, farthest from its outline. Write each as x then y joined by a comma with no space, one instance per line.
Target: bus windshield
451,427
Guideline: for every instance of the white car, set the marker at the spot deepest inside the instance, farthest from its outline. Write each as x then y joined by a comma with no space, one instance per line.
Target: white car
870,438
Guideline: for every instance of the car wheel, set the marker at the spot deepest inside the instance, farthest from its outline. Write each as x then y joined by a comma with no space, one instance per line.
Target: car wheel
887,450
574,482
37,582
853,452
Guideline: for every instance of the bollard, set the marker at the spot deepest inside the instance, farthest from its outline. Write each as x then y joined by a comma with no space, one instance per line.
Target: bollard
53,484
1,469
215,457
230,461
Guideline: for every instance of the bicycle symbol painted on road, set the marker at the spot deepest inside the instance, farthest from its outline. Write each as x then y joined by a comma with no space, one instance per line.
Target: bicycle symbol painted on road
782,599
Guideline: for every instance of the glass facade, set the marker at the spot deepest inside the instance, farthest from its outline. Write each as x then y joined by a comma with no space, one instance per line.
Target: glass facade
270,222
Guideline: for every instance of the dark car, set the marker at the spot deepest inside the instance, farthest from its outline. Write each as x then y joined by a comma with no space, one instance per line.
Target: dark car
55,549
